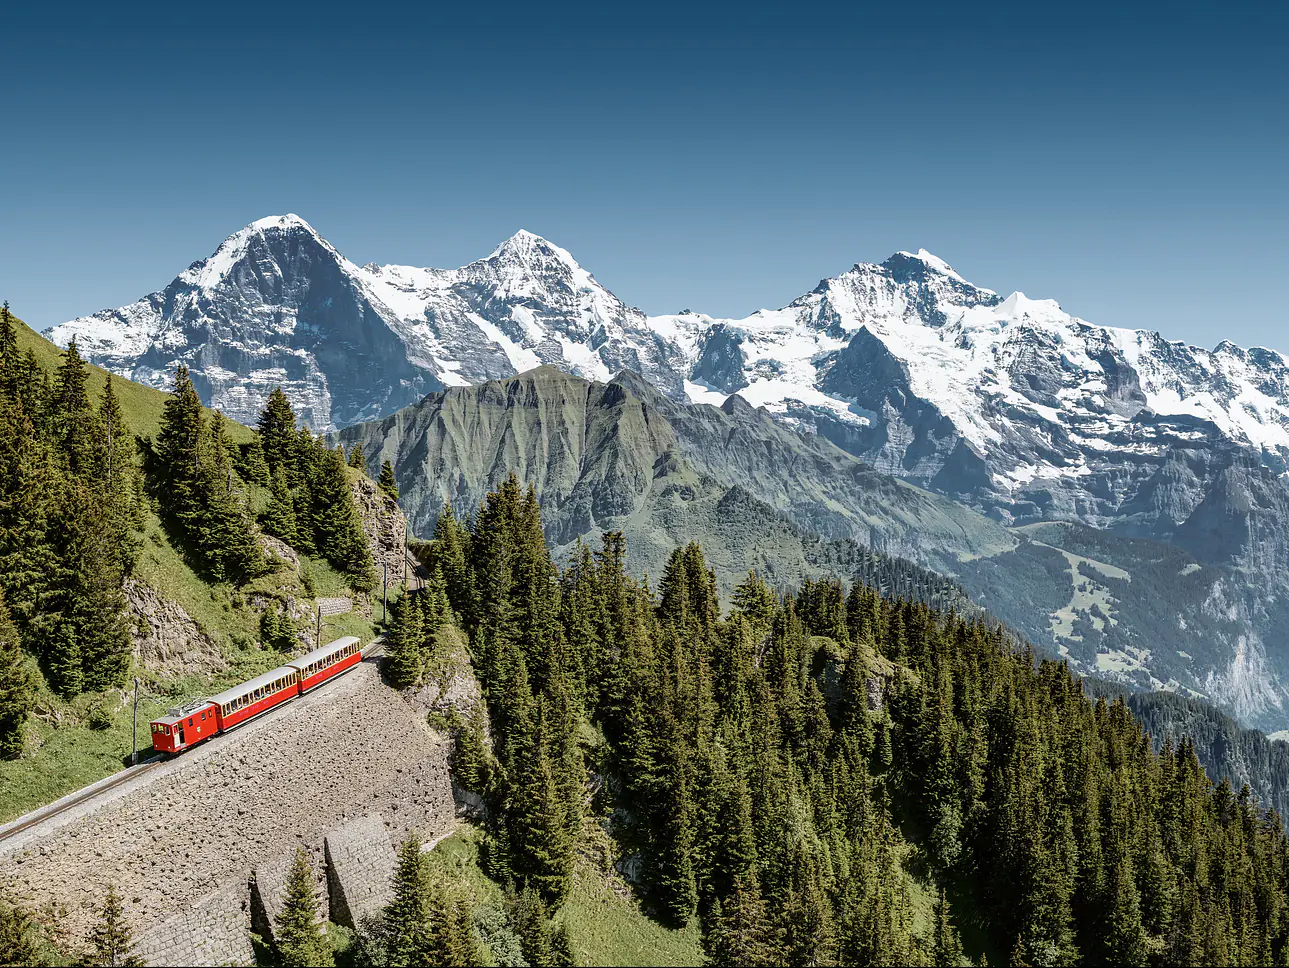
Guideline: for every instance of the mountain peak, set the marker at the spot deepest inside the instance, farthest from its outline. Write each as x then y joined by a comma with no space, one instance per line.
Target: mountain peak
932,262
526,264
526,245
210,272
287,221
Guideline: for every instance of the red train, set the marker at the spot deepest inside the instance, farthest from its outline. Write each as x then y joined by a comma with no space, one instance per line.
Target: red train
186,725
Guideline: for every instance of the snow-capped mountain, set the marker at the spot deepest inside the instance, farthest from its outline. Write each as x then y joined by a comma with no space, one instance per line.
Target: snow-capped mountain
278,305
1007,403
1017,407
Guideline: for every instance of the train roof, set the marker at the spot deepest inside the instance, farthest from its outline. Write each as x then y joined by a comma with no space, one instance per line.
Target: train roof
268,678
328,649
182,711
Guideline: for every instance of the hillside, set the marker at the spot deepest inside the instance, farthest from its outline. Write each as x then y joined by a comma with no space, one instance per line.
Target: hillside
121,590
1243,757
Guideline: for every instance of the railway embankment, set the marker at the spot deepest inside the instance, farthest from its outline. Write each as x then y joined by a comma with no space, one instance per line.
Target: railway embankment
193,829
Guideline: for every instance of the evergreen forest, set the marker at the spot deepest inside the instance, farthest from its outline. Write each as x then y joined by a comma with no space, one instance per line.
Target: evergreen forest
803,773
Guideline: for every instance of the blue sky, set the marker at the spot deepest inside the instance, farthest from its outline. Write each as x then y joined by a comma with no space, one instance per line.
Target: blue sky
1130,165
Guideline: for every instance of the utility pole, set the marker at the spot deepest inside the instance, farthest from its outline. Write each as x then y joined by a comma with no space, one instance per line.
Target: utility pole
385,592
134,735
405,556
317,639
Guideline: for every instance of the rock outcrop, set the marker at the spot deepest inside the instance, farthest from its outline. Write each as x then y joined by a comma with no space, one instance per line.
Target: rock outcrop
386,528
166,638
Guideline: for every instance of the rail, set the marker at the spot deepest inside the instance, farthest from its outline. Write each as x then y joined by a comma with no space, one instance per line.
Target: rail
76,798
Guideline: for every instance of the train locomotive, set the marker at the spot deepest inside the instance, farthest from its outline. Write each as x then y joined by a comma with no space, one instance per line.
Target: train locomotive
184,726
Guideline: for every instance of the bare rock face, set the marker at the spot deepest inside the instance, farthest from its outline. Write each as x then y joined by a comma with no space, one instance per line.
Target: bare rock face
165,637
451,683
386,528
279,549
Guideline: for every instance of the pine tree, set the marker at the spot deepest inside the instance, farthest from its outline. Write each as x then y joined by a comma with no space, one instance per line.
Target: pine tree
356,459
471,761
298,938
110,936
448,554
407,920
179,450
72,414
29,488
17,688
562,948
754,600
278,434
279,516
530,919
63,661
674,880
20,935
1124,939
540,835
946,947
118,479
455,930
222,526
405,641
387,483
86,587
1019,958
742,933
8,341
252,464
337,525
116,453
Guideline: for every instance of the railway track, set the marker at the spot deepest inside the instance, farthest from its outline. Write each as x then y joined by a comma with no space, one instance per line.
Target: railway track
76,799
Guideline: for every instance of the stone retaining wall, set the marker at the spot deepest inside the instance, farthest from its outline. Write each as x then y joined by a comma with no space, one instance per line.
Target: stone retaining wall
212,933
360,868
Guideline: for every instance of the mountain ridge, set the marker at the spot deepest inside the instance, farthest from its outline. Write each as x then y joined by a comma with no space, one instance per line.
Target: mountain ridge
623,456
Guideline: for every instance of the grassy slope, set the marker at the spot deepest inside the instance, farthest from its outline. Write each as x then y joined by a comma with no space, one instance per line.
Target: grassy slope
604,927
70,753
142,405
